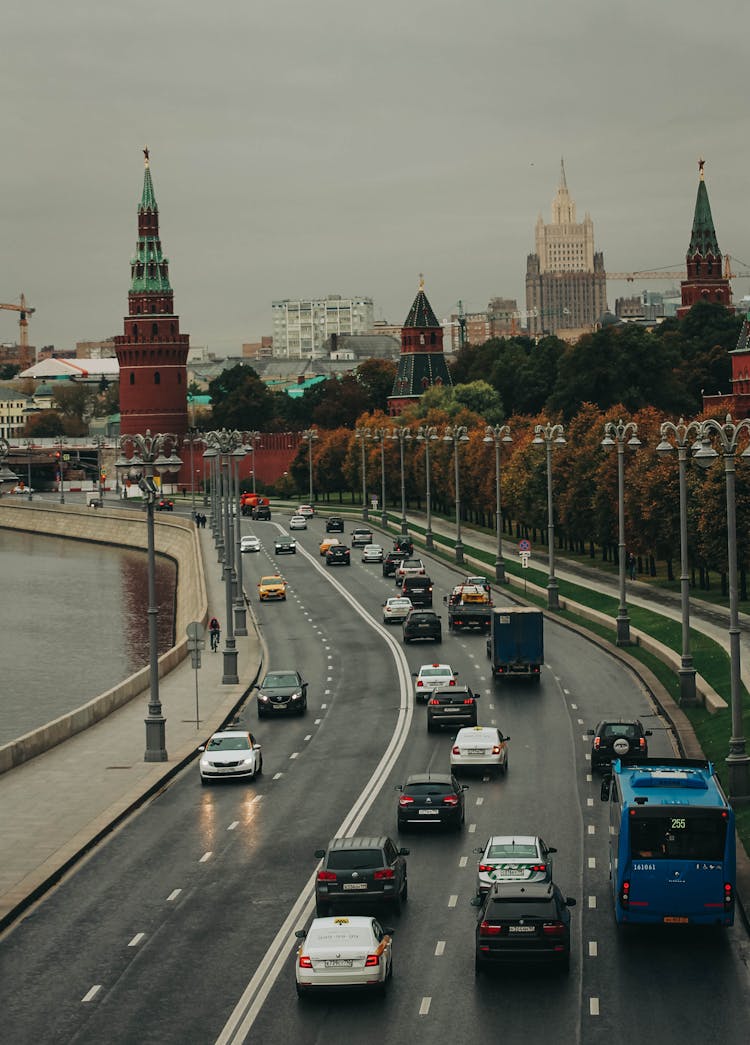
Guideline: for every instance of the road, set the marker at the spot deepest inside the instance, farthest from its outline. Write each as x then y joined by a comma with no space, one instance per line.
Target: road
166,933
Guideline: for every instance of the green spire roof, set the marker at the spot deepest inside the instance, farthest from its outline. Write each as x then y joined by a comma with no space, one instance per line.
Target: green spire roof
149,268
703,237
421,314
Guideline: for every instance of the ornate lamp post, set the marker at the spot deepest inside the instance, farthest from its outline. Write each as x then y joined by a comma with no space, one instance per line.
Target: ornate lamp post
457,434
402,435
728,433
498,435
225,442
240,615
309,436
548,436
616,435
211,454
361,434
193,436
427,434
143,457
379,435
251,438
684,436
29,444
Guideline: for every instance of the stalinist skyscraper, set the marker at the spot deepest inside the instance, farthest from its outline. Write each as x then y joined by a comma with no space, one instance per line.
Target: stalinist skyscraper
566,285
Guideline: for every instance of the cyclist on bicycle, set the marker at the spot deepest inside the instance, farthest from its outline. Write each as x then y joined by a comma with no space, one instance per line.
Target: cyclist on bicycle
214,629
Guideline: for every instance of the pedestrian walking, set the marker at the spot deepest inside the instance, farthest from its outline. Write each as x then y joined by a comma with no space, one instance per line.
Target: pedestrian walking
214,630
632,566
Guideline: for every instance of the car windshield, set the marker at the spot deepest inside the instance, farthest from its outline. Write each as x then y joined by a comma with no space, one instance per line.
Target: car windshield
513,849
228,744
430,787
434,672
338,936
354,859
270,580
621,729
279,679
500,910
398,603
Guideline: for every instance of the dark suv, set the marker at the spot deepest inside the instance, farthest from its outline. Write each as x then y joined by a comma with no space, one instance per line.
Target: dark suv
338,555
618,739
523,922
418,590
335,524
262,511
359,872
423,624
391,563
454,706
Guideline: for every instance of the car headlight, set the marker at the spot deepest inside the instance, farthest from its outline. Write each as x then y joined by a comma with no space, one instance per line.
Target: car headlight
296,696
263,697
204,763
249,761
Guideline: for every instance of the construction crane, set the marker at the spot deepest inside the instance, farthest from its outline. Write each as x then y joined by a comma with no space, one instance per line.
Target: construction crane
23,323
678,275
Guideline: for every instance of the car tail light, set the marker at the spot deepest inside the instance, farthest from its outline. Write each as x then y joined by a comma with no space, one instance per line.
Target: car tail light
488,929
456,750
406,800
372,960
434,701
384,872
625,894
539,867
326,876
553,929
486,867
728,894
452,682
450,800
496,749
305,962
597,743
642,743
419,682
468,700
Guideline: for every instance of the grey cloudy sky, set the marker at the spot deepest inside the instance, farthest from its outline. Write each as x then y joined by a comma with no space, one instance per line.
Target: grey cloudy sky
344,146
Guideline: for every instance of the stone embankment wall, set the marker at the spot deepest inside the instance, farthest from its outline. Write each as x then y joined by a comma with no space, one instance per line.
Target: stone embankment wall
124,528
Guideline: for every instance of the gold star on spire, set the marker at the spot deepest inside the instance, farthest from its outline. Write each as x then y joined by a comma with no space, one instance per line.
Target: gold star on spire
701,165
145,157
421,281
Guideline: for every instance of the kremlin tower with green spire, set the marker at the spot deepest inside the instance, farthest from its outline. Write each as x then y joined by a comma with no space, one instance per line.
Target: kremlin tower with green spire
152,352
421,363
705,277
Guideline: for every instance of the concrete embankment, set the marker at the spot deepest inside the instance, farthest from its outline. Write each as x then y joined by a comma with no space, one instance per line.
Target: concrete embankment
174,538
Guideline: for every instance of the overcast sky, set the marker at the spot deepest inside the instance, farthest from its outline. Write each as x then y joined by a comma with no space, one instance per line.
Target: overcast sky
343,147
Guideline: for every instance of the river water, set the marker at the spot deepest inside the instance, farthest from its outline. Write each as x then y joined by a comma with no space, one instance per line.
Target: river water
73,623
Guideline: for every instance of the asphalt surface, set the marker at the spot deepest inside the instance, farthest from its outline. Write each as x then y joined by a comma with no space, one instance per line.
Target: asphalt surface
209,876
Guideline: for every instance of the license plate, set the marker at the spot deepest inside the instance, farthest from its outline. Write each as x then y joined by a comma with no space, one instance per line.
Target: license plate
429,812
278,707
355,885
675,920
511,872
475,751
339,963
521,929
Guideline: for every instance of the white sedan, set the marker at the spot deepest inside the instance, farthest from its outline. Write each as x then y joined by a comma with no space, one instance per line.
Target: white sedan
298,522
230,754
433,676
480,747
250,544
396,610
306,511
372,553
352,951
520,858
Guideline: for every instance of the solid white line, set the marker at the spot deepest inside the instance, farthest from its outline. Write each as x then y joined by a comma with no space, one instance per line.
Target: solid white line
309,737
440,948
424,1008
136,939
592,863
90,994
593,1006
593,949
294,754
174,894
591,829
480,801
592,903
463,861
472,828
206,856
277,775
233,824
453,900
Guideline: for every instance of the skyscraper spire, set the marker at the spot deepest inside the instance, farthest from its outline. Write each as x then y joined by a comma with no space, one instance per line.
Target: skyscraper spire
563,182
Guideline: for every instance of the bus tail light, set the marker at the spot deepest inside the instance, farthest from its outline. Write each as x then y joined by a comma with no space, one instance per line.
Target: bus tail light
625,895
728,894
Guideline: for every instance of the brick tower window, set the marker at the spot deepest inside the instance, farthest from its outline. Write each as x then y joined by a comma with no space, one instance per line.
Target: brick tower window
135,331
154,329
157,377
132,377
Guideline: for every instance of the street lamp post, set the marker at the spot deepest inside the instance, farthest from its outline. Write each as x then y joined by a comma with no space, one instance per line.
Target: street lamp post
251,438
191,439
685,436
402,435
144,457
457,434
62,487
427,434
549,435
498,434
616,435
361,434
309,436
240,618
378,435
29,444
728,433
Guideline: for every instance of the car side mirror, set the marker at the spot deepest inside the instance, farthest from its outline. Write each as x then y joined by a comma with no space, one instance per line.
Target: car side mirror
649,733
256,746
570,901
505,738
202,747
464,787
590,733
403,852
414,673
301,934
551,849
388,930
479,849
476,901
399,787
477,696
319,854
606,785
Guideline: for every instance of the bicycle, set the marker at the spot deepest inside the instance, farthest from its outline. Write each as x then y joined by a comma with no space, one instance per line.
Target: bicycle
215,638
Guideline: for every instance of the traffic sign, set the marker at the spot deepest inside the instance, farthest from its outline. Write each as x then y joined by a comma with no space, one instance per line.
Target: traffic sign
524,545
525,560
194,630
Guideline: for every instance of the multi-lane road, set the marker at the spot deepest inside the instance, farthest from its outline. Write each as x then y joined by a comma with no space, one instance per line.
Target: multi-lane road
180,928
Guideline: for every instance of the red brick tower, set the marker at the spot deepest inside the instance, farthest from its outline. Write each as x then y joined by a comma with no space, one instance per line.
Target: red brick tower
152,352
705,278
422,363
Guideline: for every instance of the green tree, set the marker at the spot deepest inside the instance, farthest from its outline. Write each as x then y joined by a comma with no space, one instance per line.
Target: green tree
73,400
376,376
44,425
240,399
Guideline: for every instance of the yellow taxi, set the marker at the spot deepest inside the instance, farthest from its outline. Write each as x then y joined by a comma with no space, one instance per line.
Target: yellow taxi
327,543
272,587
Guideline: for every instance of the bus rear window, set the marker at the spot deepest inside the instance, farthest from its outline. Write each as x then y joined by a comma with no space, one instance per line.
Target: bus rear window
679,834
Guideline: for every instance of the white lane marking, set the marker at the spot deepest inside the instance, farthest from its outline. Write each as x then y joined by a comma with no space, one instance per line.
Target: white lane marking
480,801
493,722
424,1008
592,903
324,706
566,691
592,863
233,824
593,1006
491,706
330,656
593,948
174,894
453,900
586,739
440,948
317,721
277,775
587,756
580,721
463,861
591,829
89,996
329,678
294,754
574,707
589,801
206,856
309,737
136,939
589,777
472,828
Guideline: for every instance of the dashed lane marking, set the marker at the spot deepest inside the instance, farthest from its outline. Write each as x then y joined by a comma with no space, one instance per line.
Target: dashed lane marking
592,829
480,801
589,777
593,1006
294,754
324,706
90,995
573,707
173,895
592,903
453,900
463,861
566,691
277,775
424,1008
472,828
587,756
233,825
440,948
580,721
491,706
317,721
593,948
136,939
205,857
592,863
309,737
589,801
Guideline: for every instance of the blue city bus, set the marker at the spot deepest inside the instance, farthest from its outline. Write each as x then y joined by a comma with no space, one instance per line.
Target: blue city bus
671,843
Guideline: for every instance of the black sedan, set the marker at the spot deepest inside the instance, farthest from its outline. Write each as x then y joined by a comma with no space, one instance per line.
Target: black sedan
285,546
423,624
435,799
282,691
455,706
523,922
338,555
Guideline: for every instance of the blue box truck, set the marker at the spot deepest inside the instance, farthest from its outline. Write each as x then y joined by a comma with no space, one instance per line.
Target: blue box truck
516,644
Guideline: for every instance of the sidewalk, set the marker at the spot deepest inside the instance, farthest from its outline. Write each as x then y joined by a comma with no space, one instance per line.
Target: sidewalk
55,807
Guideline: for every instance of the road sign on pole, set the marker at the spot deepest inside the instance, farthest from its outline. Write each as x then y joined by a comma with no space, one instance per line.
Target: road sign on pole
524,546
195,632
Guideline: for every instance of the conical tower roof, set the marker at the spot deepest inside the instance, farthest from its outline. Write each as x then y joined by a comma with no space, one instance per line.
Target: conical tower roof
703,237
421,314
148,199
149,267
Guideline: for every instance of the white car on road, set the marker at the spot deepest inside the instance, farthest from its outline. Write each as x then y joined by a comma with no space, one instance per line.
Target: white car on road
306,511
372,553
480,747
347,951
230,754
433,676
396,610
518,858
298,522
250,544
